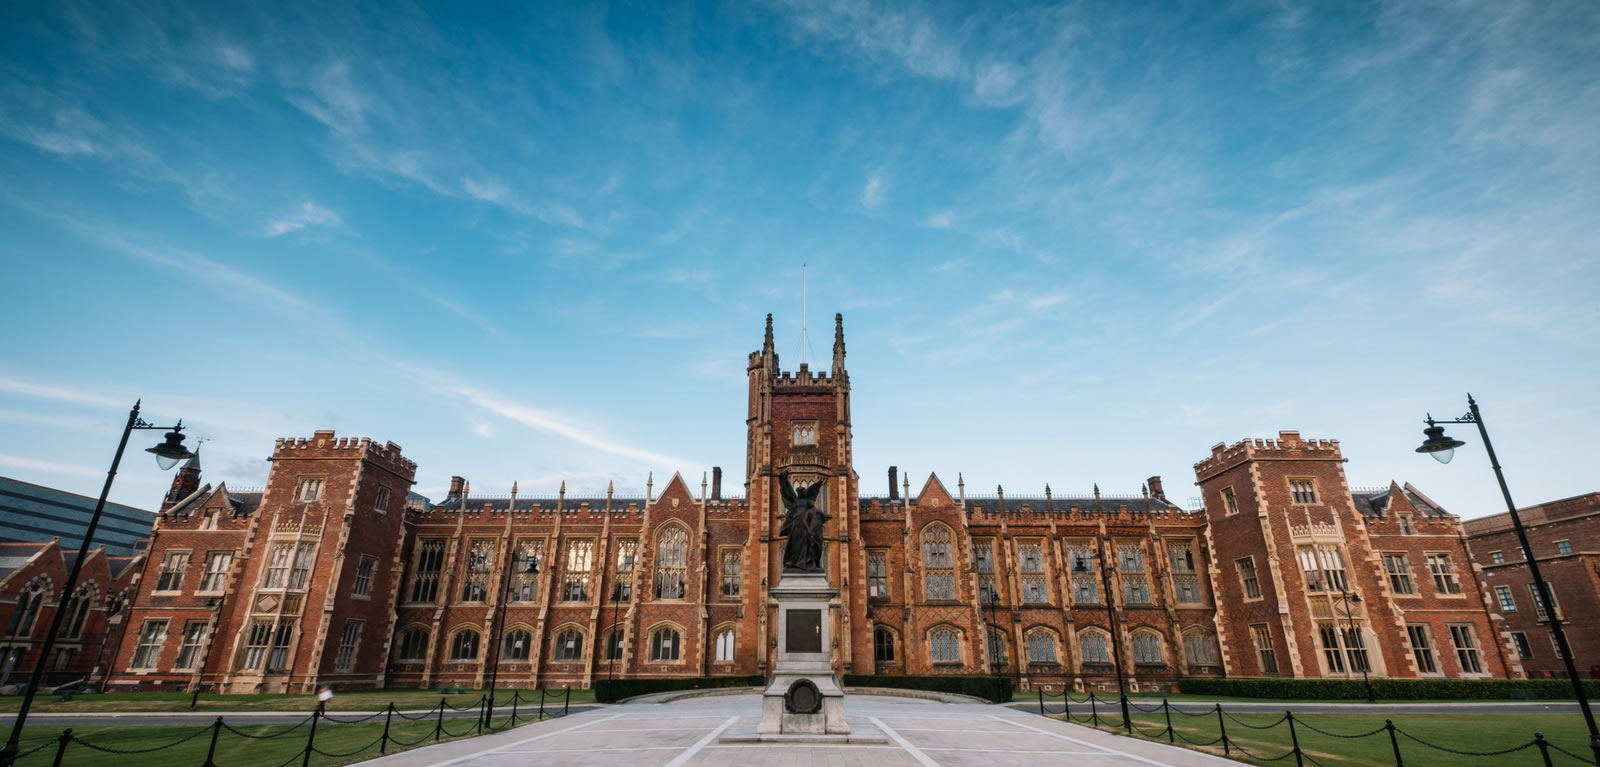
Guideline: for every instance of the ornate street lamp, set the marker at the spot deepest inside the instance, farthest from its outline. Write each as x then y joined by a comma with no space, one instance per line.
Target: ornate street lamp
530,567
1442,448
167,454
1111,625
1350,598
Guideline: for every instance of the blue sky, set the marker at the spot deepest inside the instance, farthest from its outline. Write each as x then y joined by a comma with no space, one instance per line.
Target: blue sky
1072,244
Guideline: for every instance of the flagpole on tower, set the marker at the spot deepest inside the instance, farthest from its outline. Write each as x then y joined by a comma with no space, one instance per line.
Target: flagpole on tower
804,341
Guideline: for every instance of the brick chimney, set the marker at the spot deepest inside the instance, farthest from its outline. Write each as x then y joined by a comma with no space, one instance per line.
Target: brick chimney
1155,486
716,483
456,483
894,486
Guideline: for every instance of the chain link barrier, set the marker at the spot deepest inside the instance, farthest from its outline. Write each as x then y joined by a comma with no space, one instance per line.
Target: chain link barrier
1503,752
126,751
424,715
279,734
331,755
437,713
1555,747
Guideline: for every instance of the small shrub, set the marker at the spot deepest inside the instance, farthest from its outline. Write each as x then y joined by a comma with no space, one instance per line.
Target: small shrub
613,690
991,688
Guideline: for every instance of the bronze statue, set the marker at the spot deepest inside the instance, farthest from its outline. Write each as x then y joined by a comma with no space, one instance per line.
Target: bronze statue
802,526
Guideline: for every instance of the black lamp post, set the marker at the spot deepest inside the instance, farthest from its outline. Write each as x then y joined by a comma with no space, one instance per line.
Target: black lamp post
530,567
1442,449
1111,624
215,603
1349,598
167,454
616,601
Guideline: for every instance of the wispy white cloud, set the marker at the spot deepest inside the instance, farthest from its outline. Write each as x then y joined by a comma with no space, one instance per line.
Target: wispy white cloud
542,419
50,467
873,191
307,214
60,393
1198,314
942,219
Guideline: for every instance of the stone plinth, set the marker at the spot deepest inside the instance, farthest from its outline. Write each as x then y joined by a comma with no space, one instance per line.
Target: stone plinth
803,697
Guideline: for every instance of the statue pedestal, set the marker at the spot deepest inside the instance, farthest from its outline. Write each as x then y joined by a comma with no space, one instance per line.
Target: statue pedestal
803,697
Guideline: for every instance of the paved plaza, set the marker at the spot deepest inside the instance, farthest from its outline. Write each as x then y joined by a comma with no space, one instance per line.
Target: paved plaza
685,733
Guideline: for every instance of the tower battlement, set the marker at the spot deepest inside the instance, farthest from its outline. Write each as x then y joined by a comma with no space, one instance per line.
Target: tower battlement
325,444
1288,446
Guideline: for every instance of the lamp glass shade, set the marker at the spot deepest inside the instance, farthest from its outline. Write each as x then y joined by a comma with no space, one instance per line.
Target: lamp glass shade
170,452
1439,446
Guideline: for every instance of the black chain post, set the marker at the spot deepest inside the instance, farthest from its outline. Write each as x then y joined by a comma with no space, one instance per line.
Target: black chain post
1544,747
439,726
66,737
516,697
1127,717
383,743
211,753
1066,703
311,739
541,702
483,711
1294,739
1388,724
567,704
1041,701
1094,713
1223,726
1171,738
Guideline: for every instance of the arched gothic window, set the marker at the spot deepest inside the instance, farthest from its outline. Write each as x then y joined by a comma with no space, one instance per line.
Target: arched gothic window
672,562
414,644
464,646
569,645
1200,649
1146,647
77,612
516,646
26,611
665,644
883,645
1041,646
614,644
944,646
939,574
1093,646
725,644
997,648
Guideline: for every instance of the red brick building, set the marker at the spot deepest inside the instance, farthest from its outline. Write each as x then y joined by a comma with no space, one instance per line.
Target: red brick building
1565,536
1293,543
328,576
31,576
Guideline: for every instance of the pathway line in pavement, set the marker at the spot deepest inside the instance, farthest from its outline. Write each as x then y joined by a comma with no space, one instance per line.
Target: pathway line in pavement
1106,749
689,753
916,753
477,754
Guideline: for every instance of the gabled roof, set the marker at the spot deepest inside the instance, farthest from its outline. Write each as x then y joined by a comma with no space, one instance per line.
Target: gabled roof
1376,503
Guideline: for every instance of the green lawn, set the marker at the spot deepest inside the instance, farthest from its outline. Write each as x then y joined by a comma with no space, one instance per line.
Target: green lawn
349,742
1461,732
1054,698
364,700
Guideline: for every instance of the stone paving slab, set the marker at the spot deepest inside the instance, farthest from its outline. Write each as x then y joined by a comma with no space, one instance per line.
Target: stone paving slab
916,733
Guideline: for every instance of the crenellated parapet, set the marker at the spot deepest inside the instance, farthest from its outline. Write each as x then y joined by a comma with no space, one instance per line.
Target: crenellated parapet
325,444
1287,447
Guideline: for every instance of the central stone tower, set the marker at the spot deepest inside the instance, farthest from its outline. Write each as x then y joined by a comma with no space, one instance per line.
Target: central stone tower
799,425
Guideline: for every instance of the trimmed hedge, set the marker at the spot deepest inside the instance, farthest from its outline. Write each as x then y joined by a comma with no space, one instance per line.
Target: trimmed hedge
1390,689
996,689
613,690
